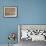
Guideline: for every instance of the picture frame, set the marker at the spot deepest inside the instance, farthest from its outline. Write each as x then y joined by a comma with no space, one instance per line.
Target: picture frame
10,11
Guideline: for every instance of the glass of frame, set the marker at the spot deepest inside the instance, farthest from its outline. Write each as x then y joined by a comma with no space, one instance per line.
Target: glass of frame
10,11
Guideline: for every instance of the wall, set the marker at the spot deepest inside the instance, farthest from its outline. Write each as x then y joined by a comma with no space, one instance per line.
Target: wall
7,25
29,12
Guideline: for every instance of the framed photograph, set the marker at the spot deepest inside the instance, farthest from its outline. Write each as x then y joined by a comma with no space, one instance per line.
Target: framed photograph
10,11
